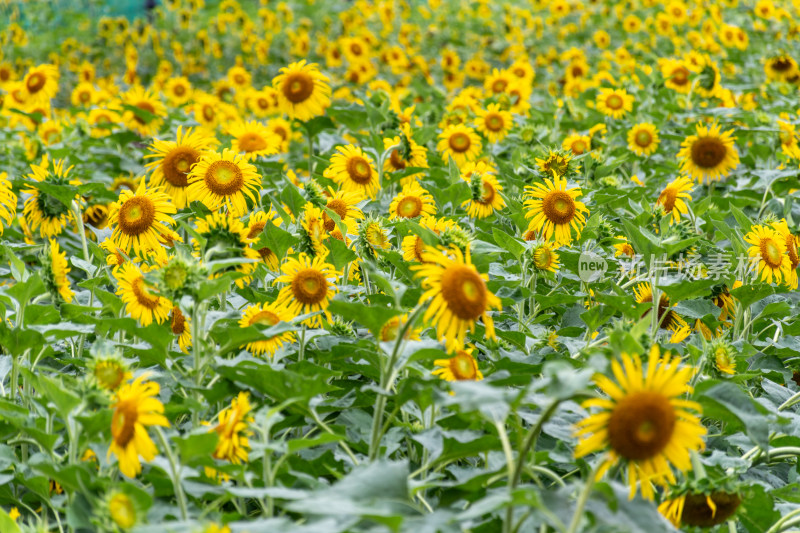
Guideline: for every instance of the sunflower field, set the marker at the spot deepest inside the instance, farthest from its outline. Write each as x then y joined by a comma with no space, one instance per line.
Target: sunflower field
318,266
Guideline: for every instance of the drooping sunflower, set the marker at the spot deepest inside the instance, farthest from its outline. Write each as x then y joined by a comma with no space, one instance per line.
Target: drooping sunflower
268,315
494,122
790,240
709,154
643,139
8,201
416,157
484,188
234,430
303,91
780,68
59,269
457,293
43,211
614,102
645,422
667,318
460,143
700,509
140,303
310,286
673,196
554,210
352,169
391,329
149,120
769,251
141,220
623,247
181,327
224,179
255,225
41,83
344,204
173,161
283,129
461,367
413,246
135,408
224,237
253,139
314,227
411,202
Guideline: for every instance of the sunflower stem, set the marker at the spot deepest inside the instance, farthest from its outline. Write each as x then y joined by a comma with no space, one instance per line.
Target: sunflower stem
174,473
302,353
582,499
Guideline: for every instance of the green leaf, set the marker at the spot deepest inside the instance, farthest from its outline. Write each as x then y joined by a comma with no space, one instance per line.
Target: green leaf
372,316
276,239
7,525
732,400
196,446
340,254
508,243
61,396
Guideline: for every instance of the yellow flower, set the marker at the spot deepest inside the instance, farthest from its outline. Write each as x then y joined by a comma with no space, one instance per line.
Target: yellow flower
417,158
141,220
302,90
344,204
224,179
667,318
233,430
554,210
673,196
60,269
577,144
8,201
645,422
485,190
178,90
494,122
153,111
181,327
614,102
353,171
310,286
110,372
643,139
457,293
700,509
769,247
314,226
461,367
791,249
412,201
413,246
545,258
140,303
41,83
268,315
710,154
42,211
122,510
253,139
460,143
135,408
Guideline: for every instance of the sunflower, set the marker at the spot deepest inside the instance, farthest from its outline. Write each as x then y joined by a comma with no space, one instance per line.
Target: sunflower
672,197
141,220
101,120
122,510
493,122
178,91
41,83
412,201
460,143
239,77
283,129
710,154
553,210
391,329
174,159
645,422
110,372
135,407
700,509
413,246
8,201
224,179
83,95
263,103
181,327
140,303
556,164
780,68
225,237
255,225
205,110
769,251
614,102
344,204
267,315
302,90
353,171
461,367
791,249
485,190
253,139
149,120
623,248
497,81
310,286
314,228
457,292
667,318
234,430
545,257
677,75
43,211
415,157
577,144
59,268
643,139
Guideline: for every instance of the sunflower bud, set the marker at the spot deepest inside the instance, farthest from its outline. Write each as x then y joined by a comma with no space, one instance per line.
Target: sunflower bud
341,328
315,193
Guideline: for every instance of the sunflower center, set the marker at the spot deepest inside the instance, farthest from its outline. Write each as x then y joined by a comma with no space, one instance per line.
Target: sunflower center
464,291
459,142
36,82
781,65
418,248
178,322
297,87
708,152
136,215
358,169
208,112
558,207
143,296
499,86
494,122
771,253
338,207
643,138
309,286
109,375
667,198
396,160
123,423
463,367
280,131
578,147
614,102
144,106
179,90
177,164
252,142
224,178
239,79
488,193
84,96
265,318
641,425
409,207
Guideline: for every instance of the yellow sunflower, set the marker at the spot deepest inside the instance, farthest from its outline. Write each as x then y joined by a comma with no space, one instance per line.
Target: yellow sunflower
545,257
769,250
310,286
302,90
225,237
412,201
623,248
554,210
59,268
645,422
141,220
181,327
494,122
353,171
667,318
178,91
283,129
344,204
643,139
42,211
413,246
267,315
8,201
485,190
41,83
577,144
461,367
780,68
224,179
253,139
672,197
791,249
140,303
614,102
710,154
135,408
234,430
314,227
416,158
460,143
152,110
457,293
255,225
173,161
699,509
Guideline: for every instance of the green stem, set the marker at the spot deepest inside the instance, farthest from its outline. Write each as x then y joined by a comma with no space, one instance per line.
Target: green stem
582,499
176,481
